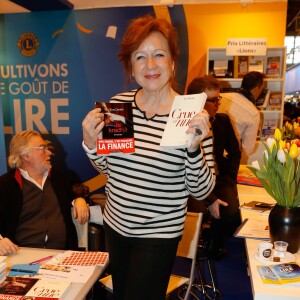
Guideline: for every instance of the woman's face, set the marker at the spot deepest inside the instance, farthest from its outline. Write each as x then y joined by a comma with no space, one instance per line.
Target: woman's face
152,65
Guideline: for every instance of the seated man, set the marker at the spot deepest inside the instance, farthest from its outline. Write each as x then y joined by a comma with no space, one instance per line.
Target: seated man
223,202
35,201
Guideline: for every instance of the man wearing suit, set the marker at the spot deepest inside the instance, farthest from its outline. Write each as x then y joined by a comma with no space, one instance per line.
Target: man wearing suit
223,202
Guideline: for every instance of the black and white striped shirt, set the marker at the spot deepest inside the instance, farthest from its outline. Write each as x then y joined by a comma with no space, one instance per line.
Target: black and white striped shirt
147,191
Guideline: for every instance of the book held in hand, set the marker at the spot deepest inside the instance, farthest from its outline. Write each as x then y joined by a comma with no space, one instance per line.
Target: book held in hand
48,289
117,134
184,108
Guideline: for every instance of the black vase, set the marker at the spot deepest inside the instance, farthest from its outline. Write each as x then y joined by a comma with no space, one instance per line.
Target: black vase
284,225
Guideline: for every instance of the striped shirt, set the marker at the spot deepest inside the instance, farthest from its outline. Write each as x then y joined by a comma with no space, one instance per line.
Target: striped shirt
147,191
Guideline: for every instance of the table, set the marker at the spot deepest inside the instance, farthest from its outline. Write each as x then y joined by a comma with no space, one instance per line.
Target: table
260,290
78,291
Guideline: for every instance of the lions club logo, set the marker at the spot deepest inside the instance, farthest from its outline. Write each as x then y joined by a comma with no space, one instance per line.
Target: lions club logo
28,44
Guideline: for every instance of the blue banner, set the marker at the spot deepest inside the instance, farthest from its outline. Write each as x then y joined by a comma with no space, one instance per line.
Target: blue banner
55,65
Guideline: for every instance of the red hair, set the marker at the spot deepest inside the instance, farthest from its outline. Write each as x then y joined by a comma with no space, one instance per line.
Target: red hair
138,30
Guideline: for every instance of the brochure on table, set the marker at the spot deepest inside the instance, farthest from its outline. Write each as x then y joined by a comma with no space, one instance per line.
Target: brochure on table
255,229
73,266
284,273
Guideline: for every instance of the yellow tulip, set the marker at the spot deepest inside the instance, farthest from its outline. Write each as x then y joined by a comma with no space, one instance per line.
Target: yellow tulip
277,134
281,144
293,151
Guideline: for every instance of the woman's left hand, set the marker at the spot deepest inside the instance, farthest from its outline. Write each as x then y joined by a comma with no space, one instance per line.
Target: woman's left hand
199,127
81,211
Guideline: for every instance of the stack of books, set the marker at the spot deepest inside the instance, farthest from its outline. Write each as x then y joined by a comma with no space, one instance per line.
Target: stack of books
3,267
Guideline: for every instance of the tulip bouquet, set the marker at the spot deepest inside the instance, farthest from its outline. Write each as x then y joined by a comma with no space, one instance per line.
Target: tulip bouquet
279,172
290,131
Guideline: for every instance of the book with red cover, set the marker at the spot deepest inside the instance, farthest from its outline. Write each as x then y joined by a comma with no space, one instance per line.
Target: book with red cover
117,134
48,289
245,176
16,287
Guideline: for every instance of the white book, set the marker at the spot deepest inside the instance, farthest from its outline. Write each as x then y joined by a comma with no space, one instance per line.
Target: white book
184,108
49,289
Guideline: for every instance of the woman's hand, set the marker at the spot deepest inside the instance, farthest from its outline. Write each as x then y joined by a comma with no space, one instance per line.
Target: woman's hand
92,126
81,211
7,247
199,127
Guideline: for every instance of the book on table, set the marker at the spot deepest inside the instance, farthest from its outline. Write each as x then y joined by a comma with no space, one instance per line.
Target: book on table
16,287
184,108
245,176
3,268
117,133
267,275
253,229
48,289
283,273
257,206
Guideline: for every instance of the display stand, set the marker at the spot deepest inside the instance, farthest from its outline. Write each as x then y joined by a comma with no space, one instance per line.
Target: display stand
271,105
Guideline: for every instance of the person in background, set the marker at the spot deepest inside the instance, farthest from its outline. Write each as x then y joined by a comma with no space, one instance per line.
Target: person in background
35,200
289,113
223,202
147,191
241,109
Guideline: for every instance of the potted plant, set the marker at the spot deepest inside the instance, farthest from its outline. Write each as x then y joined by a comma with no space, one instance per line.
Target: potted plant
279,173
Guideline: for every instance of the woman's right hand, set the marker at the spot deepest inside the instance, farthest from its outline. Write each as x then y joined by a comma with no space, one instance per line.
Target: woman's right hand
7,247
92,126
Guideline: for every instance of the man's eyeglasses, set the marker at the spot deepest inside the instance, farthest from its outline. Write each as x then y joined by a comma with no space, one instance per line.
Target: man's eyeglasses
44,148
214,99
